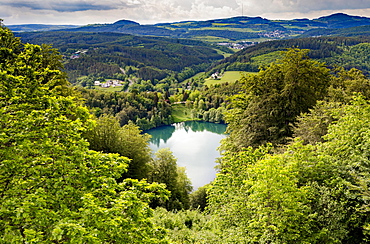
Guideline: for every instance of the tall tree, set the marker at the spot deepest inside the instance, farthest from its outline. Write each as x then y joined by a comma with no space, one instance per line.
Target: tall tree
164,169
344,84
267,108
109,137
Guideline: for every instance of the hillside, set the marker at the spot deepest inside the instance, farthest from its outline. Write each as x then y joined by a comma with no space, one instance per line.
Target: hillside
110,54
348,52
169,53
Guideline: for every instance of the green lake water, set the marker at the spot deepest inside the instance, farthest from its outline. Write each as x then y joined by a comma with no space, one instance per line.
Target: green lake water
194,144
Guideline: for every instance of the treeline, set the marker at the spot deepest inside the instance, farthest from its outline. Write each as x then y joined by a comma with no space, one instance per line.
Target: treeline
147,109
152,109
352,31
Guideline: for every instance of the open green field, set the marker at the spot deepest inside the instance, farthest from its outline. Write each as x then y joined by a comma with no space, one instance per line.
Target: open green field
180,113
211,39
224,53
229,76
228,28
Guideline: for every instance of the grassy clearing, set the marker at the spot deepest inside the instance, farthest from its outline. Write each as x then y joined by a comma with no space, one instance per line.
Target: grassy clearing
224,53
181,113
109,89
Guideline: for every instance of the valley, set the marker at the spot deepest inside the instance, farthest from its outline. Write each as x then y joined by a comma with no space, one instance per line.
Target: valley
88,113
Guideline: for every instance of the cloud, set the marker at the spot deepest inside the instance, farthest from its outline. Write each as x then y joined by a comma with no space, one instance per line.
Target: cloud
65,5
301,6
154,11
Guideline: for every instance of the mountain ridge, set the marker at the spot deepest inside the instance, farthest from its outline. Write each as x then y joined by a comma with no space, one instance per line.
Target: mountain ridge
233,29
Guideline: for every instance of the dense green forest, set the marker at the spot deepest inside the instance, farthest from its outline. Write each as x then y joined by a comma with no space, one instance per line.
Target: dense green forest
152,109
75,166
121,56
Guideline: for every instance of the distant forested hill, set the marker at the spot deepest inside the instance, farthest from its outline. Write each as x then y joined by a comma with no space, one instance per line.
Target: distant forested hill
107,54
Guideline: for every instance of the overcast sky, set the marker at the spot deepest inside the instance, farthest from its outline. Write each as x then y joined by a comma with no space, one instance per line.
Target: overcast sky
83,12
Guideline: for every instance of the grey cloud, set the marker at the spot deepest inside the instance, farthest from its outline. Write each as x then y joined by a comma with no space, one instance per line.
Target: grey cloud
154,11
221,3
65,6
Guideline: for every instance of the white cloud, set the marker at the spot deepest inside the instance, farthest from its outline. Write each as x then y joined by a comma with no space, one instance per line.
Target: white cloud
302,6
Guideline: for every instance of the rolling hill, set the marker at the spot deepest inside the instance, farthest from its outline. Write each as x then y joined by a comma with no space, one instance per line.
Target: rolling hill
235,29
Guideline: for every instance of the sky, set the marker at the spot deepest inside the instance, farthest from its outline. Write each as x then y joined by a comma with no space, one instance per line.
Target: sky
82,12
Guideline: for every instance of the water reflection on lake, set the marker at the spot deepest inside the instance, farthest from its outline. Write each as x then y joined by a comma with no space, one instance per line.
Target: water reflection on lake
194,144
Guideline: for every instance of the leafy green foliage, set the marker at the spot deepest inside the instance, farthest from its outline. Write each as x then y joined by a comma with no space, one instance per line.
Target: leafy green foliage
306,194
147,110
312,126
315,191
53,189
164,169
186,226
198,198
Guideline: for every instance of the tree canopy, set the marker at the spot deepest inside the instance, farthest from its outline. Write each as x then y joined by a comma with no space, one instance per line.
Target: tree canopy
109,137
164,169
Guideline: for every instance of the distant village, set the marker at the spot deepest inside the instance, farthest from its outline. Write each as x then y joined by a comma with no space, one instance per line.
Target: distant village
108,83
78,54
239,45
